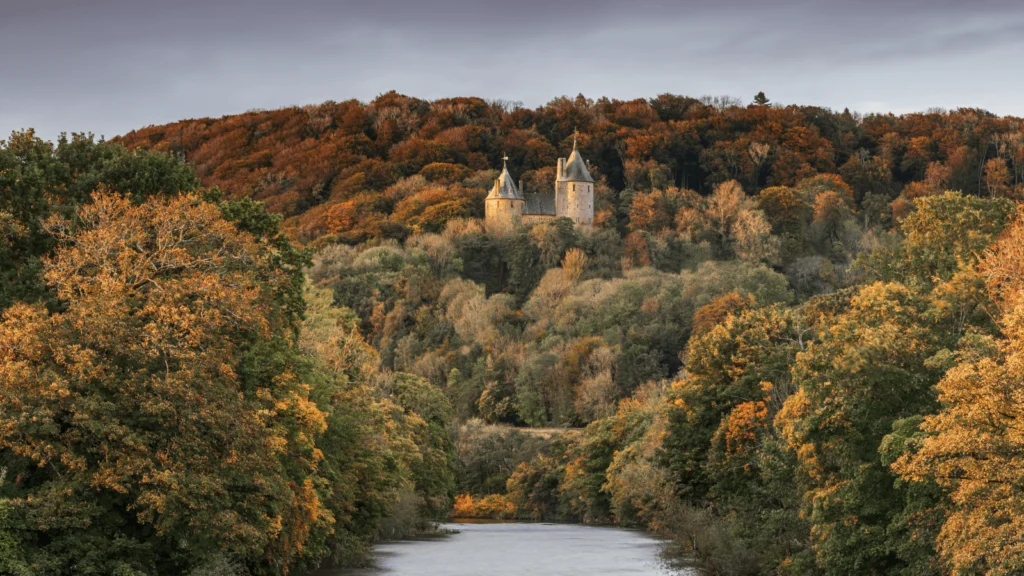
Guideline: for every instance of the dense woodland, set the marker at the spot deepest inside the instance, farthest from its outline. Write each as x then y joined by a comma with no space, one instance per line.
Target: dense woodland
792,342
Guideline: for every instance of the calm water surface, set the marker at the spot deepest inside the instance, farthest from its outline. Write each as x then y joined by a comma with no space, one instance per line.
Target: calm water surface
509,549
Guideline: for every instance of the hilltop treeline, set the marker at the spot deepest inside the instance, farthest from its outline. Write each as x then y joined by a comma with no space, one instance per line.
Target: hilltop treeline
790,342
398,164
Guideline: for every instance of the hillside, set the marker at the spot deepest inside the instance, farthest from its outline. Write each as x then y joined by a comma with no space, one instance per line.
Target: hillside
399,164
790,344
777,336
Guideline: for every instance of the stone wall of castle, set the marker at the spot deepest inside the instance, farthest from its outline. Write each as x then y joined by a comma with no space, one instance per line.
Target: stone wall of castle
561,197
579,202
503,211
531,219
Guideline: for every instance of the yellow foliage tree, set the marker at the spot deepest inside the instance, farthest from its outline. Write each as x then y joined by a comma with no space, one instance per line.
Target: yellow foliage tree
975,444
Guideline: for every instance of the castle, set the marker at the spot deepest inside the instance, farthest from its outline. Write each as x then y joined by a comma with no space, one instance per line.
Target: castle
573,197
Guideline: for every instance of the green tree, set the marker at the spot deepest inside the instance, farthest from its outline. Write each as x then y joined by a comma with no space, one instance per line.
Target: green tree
12,559
362,467
427,415
867,370
946,233
38,178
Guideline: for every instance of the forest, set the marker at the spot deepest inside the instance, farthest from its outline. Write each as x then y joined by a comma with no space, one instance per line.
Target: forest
792,342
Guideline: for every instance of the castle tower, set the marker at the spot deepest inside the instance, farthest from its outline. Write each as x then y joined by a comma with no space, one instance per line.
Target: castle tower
574,189
504,204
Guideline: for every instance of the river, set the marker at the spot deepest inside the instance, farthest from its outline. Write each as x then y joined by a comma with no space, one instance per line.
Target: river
520,549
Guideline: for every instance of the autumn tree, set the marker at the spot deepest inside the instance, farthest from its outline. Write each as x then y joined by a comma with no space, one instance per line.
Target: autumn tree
157,420
573,264
972,446
732,223
868,174
830,210
997,178
721,373
38,179
786,208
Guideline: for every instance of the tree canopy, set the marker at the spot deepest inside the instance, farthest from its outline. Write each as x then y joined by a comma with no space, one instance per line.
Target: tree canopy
790,343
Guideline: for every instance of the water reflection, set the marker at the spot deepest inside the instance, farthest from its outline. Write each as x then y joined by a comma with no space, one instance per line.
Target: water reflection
511,549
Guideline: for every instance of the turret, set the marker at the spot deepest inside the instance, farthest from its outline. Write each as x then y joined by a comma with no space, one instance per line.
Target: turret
574,189
504,204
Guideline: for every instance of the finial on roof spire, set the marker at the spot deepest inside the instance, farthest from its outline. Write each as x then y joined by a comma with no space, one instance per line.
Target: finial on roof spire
575,131
505,158
575,169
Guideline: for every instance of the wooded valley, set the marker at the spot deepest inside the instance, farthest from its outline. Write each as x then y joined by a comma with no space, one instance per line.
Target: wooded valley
792,342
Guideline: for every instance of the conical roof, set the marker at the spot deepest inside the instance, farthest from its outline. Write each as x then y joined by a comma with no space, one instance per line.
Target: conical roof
504,186
576,167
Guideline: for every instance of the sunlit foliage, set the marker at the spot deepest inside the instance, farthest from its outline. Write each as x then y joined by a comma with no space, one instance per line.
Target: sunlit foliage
789,344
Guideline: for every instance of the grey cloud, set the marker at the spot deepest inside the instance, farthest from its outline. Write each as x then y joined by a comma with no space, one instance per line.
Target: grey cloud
108,66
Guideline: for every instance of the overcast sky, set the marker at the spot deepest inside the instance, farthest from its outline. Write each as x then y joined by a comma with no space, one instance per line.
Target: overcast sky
108,66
